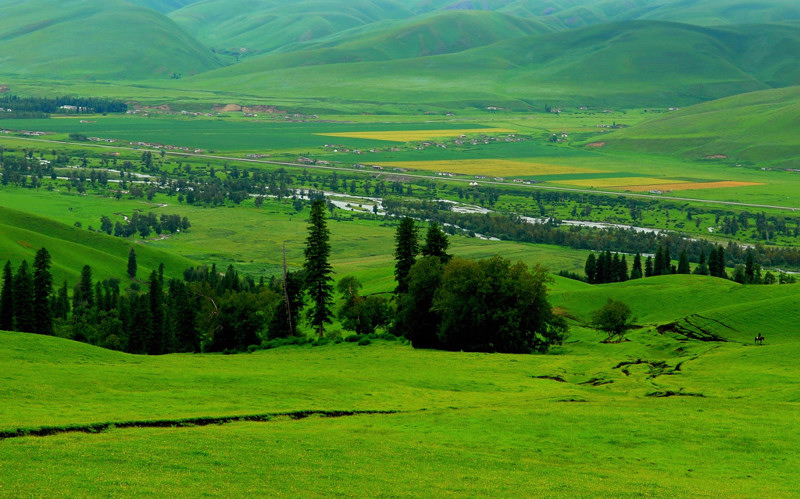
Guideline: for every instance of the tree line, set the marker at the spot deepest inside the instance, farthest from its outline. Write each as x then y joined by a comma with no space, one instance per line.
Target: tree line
144,224
511,227
43,106
607,267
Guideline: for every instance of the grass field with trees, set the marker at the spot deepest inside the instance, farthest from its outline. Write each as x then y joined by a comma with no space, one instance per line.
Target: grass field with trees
383,248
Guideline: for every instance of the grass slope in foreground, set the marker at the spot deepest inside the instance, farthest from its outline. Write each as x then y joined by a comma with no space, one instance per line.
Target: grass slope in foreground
591,419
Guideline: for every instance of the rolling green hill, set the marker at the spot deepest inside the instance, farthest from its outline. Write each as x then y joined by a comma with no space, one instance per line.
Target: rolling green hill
165,6
264,25
629,64
22,234
440,33
96,40
758,128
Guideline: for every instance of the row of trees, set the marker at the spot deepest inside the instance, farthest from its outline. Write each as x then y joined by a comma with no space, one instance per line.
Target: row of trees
26,301
607,267
513,228
53,105
145,224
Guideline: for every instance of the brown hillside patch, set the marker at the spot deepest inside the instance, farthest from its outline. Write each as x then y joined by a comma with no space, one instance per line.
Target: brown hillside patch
228,108
716,156
596,144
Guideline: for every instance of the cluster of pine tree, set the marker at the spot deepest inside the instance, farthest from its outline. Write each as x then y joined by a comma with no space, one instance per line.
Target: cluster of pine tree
455,304
27,303
206,311
606,268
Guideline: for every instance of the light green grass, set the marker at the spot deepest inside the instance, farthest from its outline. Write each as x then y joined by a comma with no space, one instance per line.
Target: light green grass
471,424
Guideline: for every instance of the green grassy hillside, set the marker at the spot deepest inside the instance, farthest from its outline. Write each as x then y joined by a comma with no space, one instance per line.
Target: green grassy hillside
572,14
758,128
96,40
659,414
165,6
665,299
22,234
264,25
440,33
632,64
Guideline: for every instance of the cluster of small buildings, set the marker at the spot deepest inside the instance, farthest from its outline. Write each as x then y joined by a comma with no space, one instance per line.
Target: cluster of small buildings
166,147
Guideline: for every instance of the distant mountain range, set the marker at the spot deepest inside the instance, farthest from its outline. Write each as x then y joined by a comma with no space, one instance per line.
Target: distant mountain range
515,53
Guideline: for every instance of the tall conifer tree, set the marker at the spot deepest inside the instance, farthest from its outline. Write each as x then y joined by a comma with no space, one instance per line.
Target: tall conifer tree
42,289
318,281
23,299
405,252
132,267
7,299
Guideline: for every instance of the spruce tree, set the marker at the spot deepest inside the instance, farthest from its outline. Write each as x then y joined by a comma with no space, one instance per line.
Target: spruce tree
622,270
23,299
636,271
648,267
7,299
405,253
83,294
436,243
318,281
721,260
683,263
749,268
156,343
658,262
42,289
667,260
132,263
702,266
590,268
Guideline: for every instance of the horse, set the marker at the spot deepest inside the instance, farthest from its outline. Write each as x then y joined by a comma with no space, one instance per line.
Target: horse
759,339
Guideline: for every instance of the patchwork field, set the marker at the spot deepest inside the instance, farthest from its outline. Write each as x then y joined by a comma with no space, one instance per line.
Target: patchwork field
617,182
691,186
490,167
415,135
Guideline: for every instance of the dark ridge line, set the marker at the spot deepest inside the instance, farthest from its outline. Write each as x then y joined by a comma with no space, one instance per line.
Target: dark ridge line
46,431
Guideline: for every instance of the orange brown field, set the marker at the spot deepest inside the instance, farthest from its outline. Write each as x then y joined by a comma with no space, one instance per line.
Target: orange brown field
618,182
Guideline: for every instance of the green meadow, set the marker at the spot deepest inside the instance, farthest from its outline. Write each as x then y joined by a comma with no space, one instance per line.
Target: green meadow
485,424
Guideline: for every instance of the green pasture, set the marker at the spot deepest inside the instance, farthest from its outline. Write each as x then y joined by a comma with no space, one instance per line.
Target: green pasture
468,424
220,134
250,238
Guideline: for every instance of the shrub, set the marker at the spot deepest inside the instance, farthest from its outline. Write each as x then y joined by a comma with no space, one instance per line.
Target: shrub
364,341
353,338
